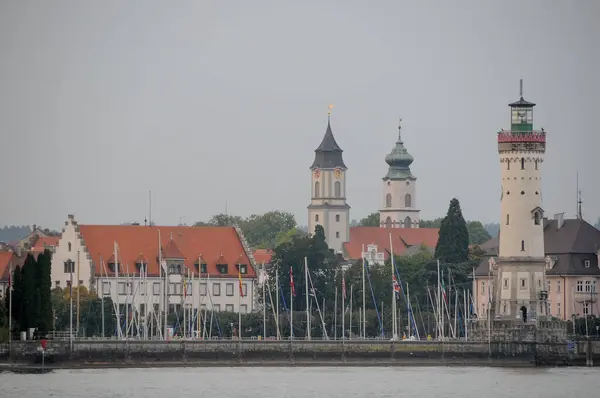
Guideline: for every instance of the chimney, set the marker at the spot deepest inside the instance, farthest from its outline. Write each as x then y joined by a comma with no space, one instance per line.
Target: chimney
560,219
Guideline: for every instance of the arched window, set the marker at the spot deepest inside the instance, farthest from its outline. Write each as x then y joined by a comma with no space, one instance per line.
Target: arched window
338,189
407,200
536,164
388,222
537,218
69,246
508,164
522,163
407,222
317,189
522,245
507,219
388,200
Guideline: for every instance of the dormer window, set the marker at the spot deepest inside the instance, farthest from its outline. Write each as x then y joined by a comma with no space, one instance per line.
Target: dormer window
222,268
141,267
111,267
587,263
243,269
202,267
175,268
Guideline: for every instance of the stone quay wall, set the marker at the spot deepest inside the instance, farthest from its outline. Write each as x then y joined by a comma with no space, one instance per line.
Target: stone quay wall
139,353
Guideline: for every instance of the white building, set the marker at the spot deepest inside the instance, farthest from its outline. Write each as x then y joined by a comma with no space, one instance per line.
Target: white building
519,284
328,206
399,204
123,262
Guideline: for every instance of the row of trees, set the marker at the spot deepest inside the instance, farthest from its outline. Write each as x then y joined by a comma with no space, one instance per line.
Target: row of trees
31,300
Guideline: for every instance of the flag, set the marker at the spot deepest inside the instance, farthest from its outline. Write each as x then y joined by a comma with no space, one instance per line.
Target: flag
185,282
240,280
396,285
292,282
313,292
344,287
444,292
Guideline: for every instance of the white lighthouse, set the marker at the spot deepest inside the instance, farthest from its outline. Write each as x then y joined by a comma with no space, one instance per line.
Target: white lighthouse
519,282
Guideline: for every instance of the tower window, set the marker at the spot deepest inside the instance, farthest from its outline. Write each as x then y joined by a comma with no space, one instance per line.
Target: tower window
388,200
388,222
407,222
337,234
507,219
508,165
522,163
536,164
536,218
69,246
316,218
317,189
338,189
522,245
337,218
407,200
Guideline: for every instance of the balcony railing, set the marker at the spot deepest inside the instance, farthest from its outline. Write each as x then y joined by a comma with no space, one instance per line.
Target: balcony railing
520,136
581,297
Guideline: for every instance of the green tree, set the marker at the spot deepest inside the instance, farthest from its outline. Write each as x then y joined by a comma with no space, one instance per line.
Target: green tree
261,230
477,233
289,235
43,289
224,220
435,223
372,220
31,298
453,241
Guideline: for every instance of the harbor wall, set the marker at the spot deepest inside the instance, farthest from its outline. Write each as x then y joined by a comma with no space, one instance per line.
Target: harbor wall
136,353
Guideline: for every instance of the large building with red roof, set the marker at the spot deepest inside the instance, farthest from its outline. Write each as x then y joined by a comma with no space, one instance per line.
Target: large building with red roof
129,264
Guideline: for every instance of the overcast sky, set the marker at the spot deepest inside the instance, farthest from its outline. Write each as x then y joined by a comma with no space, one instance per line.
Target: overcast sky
214,102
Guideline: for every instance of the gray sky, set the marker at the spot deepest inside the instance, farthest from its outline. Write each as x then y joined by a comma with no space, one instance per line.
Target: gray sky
205,102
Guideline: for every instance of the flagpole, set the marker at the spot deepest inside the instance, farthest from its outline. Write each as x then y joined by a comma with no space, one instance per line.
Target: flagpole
291,305
264,302
440,333
335,314
101,288
71,308
394,325
343,307
277,302
306,294
78,291
10,289
350,333
364,310
240,313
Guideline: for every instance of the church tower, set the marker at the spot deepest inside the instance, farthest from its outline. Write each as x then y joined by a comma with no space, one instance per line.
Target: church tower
328,206
399,189
519,283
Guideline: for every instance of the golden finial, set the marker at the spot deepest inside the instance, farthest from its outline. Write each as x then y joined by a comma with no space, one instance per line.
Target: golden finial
329,112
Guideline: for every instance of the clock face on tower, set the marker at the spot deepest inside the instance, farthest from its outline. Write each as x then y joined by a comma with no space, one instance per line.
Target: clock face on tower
337,173
317,173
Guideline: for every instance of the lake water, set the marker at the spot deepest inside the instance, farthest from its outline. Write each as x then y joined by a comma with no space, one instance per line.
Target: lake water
429,382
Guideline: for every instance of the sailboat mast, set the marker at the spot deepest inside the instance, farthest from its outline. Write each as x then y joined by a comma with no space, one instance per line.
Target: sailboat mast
364,322
277,302
350,321
264,301
408,309
394,325
306,294
440,327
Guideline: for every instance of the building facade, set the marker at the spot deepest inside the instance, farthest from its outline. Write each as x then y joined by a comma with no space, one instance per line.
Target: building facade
147,269
328,206
399,202
519,284
572,266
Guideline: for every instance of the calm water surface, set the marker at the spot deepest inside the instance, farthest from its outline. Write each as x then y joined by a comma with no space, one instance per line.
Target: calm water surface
306,382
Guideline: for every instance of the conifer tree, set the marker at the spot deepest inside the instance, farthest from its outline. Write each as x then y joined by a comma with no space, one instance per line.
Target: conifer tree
30,308
453,242
43,286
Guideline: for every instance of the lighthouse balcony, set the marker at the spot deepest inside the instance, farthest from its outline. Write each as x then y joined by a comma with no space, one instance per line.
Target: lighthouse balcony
521,136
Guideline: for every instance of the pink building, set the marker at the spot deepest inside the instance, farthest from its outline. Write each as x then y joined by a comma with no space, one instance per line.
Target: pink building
572,275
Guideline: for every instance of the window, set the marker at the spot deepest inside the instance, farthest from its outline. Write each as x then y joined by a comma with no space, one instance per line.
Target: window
588,286
557,286
338,189
316,218
579,287
106,288
507,219
317,189
142,288
548,286
216,289
243,269
536,164
337,234
203,267
505,283
222,268
523,284
388,222
143,309
504,309
217,307
483,308
245,289
522,163
522,245
69,266
155,308
586,308
508,165
587,263
407,222
189,287
388,200
156,288
558,309
537,218
175,288
121,288
407,200
69,246
175,269
229,289
337,218
243,308
229,308
483,287
203,289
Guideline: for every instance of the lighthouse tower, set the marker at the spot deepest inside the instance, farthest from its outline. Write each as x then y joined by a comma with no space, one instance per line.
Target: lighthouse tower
519,271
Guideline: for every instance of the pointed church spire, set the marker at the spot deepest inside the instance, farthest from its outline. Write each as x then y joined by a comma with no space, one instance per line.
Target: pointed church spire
328,154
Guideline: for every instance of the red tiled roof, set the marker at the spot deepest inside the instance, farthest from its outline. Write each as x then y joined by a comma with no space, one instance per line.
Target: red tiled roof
5,259
208,243
402,238
44,242
263,256
172,251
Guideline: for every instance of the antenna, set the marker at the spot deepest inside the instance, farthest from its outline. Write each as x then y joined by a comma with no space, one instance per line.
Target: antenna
150,208
521,88
579,201
399,129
